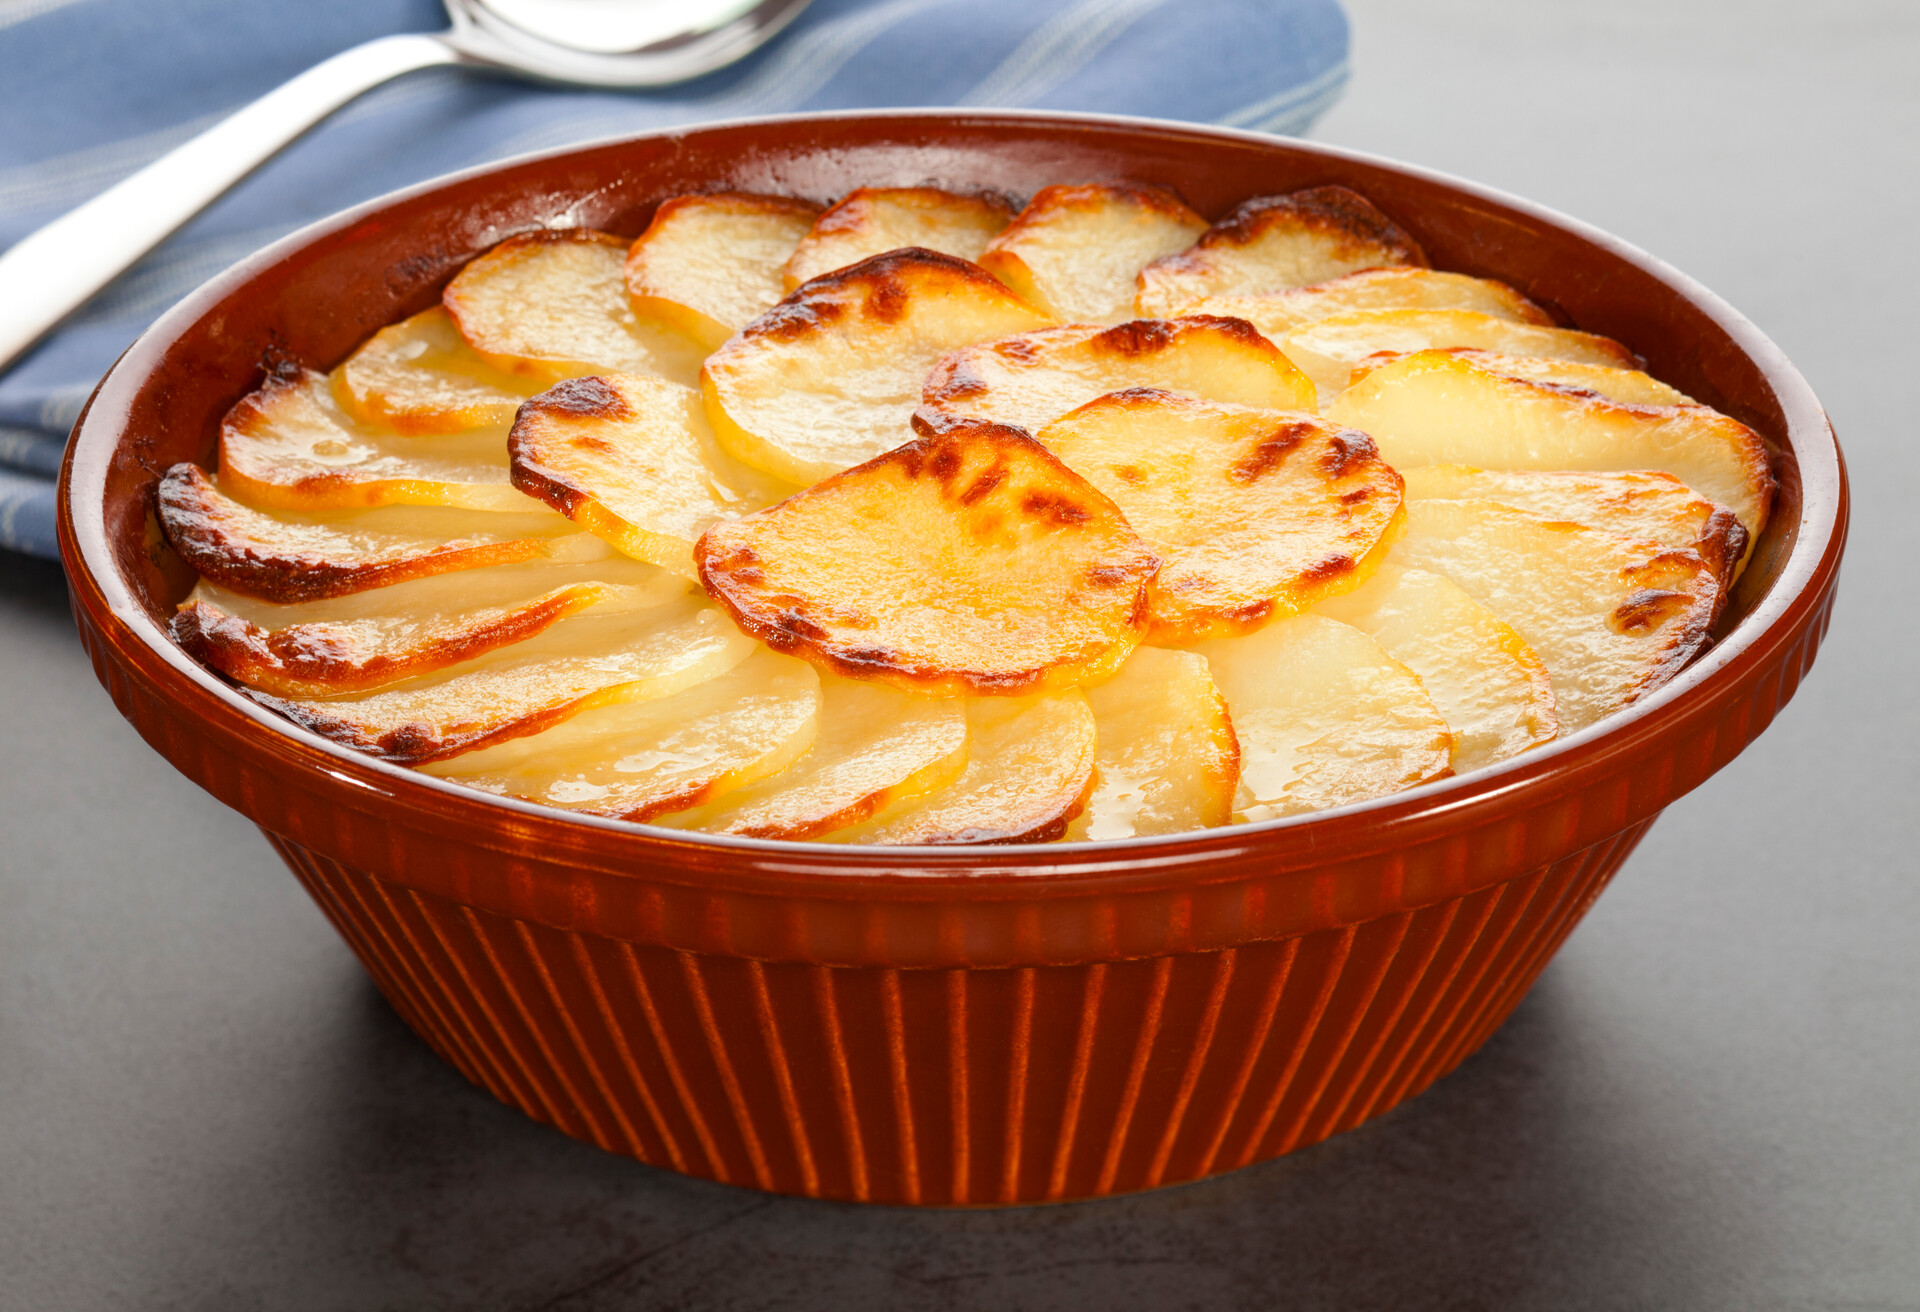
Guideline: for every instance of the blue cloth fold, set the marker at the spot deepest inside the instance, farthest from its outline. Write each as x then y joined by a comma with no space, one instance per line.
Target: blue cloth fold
97,88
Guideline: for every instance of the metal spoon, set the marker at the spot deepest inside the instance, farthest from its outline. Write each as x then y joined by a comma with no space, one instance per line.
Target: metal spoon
603,43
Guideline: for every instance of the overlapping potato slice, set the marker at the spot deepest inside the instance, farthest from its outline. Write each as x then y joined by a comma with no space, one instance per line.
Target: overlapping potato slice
1033,379
1438,408
1255,514
709,265
1271,243
420,376
1613,618
554,304
1279,313
1075,251
829,377
1029,772
1324,717
1166,758
966,560
1630,386
872,220
632,460
586,661
1645,504
876,746
354,643
637,760
1328,349
1488,685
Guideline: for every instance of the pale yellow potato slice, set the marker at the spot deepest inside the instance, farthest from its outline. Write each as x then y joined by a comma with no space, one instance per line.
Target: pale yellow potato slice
362,641
638,760
1643,504
633,460
876,746
1612,618
1075,251
710,265
420,376
829,377
873,220
1033,379
1278,313
586,661
1324,717
1489,686
1254,514
552,305
1629,386
294,557
1438,408
1029,772
1166,757
967,560
1271,243
1328,349
289,446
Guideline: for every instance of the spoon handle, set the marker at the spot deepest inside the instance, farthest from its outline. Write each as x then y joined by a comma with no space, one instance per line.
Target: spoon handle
50,273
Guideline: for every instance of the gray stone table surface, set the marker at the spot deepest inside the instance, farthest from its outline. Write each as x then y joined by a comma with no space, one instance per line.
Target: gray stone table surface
1710,1101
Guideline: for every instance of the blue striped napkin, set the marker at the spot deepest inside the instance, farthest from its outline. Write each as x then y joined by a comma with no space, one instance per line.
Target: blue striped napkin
96,88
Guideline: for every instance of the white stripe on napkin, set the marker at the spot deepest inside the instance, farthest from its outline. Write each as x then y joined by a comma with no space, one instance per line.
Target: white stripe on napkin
1294,106
63,181
1057,49
19,11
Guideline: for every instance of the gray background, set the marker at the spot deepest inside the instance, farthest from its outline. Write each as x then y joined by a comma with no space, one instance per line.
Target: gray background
1709,1101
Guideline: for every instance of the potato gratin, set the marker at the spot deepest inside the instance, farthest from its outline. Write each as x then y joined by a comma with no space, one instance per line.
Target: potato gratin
917,519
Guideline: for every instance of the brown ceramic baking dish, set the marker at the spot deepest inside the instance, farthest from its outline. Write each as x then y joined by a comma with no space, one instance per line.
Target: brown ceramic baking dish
949,1026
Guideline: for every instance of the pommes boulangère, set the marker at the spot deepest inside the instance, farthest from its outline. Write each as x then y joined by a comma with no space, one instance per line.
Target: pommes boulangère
925,518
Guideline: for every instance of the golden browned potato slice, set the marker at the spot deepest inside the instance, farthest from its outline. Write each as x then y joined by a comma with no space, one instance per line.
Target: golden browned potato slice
1075,251
1166,758
1271,243
709,265
873,220
1611,617
1278,313
289,558
1328,349
1642,504
1488,685
1324,717
1629,386
586,661
876,746
359,642
633,460
420,376
1255,514
1031,380
289,446
553,305
637,760
1029,772
1438,408
967,560
829,377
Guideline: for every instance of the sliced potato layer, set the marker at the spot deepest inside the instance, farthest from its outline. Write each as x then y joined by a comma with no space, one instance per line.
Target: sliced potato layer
632,460
709,265
1271,243
829,377
1255,514
1278,313
1629,386
1031,380
967,560
876,746
1488,685
1611,617
1328,349
553,305
1166,757
1324,717
1075,251
420,376
1029,771
873,220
